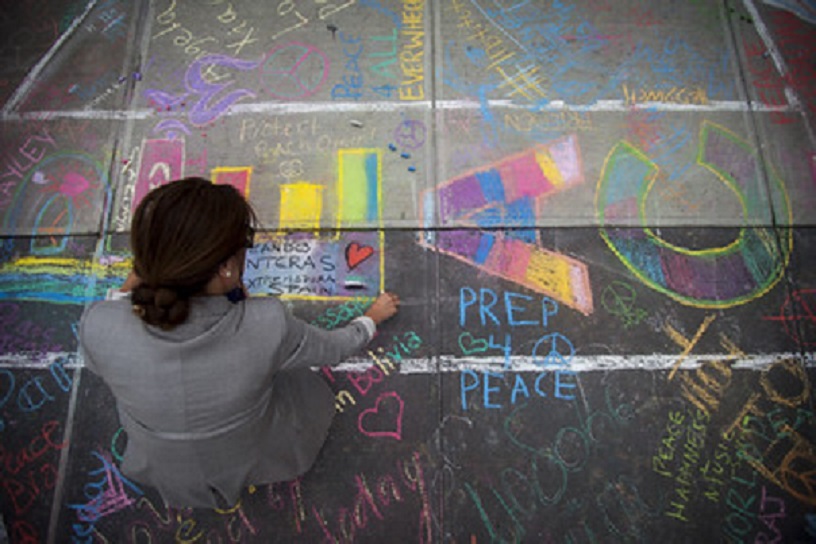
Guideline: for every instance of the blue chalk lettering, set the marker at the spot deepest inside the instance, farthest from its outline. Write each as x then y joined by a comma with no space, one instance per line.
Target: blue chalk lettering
559,385
507,348
30,405
511,308
545,314
487,389
484,310
8,378
109,468
538,385
464,388
62,378
376,6
464,304
519,387
87,529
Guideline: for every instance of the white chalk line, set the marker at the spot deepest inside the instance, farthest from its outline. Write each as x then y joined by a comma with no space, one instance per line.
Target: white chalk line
24,87
449,363
767,40
294,108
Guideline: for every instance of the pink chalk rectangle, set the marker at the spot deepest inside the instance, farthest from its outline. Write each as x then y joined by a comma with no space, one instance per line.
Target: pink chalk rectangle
567,157
161,161
509,258
237,177
522,177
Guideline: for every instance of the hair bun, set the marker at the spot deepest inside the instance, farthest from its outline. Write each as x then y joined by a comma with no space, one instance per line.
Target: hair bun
165,297
162,307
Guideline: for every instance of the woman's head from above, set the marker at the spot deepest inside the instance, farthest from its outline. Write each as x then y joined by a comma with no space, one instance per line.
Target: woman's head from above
188,237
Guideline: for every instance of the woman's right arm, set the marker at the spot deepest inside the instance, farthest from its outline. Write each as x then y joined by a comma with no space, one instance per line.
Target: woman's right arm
306,345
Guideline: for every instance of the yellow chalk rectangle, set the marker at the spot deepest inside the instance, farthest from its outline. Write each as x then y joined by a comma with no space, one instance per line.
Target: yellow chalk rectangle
562,278
301,206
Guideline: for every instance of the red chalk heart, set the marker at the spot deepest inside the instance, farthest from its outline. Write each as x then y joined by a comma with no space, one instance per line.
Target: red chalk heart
356,254
373,418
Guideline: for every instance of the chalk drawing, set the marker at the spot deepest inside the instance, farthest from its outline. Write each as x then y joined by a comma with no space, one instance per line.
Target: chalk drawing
208,108
301,205
359,193
381,421
60,280
161,161
78,173
337,267
798,317
291,169
357,253
294,70
110,496
618,298
508,194
754,262
411,134
237,176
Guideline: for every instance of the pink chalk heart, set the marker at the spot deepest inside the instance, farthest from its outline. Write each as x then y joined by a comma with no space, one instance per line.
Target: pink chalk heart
74,184
384,422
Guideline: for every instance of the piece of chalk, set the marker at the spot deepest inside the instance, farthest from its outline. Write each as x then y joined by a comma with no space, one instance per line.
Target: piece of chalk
412,168
392,147
405,155
354,285
356,123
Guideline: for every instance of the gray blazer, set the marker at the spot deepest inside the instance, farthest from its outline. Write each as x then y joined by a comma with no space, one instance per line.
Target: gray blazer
224,400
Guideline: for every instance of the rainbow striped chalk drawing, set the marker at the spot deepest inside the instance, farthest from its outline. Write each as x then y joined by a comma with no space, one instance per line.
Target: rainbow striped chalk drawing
161,161
237,176
717,277
359,192
301,206
61,280
508,194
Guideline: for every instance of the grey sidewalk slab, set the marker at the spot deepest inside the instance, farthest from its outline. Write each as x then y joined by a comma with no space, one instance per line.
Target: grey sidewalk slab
598,215
87,64
56,177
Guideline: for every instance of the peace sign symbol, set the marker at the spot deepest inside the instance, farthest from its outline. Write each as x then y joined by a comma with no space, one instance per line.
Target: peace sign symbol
559,350
294,70
618,298
410,134
291,169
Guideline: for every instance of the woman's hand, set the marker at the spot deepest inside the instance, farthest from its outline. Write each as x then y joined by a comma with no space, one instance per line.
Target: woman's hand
384,307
